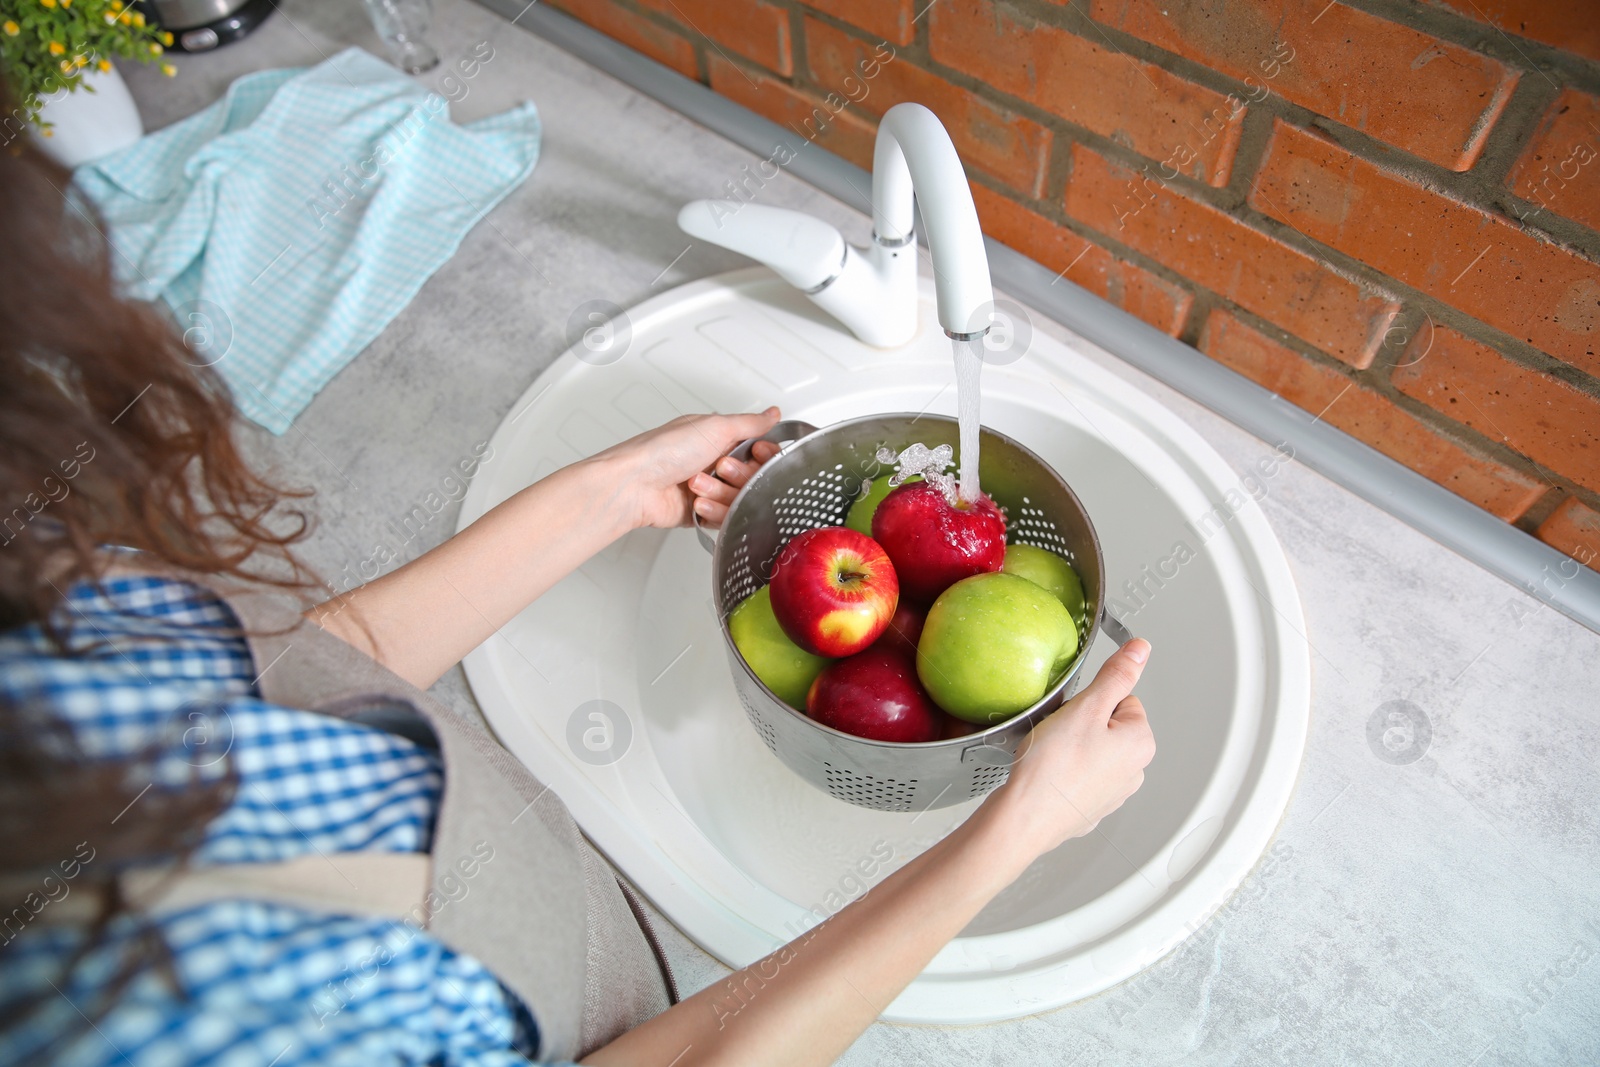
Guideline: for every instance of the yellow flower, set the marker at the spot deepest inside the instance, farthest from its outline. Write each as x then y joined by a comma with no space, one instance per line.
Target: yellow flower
11,28
66,3
138,18
48,132
104,64
168,69
166,38
48,3
155,49
66,66
56,48
125,18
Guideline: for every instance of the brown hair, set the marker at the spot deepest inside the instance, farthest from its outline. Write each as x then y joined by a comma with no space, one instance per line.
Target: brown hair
109,430
110,434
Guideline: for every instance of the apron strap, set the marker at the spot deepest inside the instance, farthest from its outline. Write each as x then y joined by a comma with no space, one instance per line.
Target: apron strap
389,885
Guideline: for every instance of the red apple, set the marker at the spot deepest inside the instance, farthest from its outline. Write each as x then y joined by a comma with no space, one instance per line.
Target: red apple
833,591
875,694
934,543
904,630
954,727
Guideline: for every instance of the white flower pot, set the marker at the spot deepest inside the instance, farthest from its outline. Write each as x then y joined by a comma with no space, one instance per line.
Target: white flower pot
87,125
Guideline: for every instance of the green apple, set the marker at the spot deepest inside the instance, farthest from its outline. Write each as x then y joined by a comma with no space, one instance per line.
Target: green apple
992,646
1050,571
860,515
783,666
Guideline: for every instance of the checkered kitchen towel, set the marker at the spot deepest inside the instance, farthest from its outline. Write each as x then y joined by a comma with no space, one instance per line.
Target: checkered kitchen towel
289,222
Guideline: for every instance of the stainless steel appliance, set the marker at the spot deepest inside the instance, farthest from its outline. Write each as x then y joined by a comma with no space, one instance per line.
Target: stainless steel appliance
201,25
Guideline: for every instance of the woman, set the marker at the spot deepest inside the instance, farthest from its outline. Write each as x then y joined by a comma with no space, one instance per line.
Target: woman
239,831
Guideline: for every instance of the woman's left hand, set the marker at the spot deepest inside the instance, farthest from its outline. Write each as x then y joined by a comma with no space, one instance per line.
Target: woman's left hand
662,473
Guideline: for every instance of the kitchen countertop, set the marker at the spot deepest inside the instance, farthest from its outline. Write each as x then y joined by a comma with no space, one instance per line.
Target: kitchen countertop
1429,900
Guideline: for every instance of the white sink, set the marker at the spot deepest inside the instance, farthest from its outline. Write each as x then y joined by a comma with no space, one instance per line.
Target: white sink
732,846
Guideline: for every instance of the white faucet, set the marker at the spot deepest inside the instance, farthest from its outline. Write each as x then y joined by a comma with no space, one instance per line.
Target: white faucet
873,290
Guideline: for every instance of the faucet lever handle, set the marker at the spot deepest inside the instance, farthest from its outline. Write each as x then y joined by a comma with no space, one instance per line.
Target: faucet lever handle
804,251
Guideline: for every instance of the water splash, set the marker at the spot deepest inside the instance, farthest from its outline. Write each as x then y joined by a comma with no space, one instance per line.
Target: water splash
921,461
969,365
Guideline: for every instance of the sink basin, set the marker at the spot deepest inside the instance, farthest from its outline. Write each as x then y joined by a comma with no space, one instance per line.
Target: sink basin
614,689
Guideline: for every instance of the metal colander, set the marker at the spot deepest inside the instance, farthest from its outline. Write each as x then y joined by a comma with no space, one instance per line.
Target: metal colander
812,483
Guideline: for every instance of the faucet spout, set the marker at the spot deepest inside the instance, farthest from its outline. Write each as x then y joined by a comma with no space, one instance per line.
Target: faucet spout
914,157
873,290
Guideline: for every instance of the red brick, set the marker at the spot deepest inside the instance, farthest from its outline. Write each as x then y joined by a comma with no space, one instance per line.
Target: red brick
1154,112
889,19
990,138
1568,24
641,35
1466,257
817,119
1367,416
1434,99
1560,169
1131,288
1552,423
754,29
1574,529
1230,257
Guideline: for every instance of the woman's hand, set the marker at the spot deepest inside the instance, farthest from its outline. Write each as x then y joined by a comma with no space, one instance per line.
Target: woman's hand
662,474
1081,763
714,492
421,619
817,993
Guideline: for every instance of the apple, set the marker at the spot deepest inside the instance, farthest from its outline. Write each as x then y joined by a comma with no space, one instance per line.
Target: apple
954,727
860,514
1049,571
875,694
833,590
904,630
783,666
993,645
935,543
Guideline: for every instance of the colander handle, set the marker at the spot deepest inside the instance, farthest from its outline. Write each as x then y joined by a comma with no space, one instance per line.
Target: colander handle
1112,627
783,435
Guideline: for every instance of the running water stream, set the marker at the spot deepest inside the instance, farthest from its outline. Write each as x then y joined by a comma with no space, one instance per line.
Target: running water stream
969,367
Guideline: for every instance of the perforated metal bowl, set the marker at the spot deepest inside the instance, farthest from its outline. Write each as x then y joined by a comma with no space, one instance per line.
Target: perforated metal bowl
812,483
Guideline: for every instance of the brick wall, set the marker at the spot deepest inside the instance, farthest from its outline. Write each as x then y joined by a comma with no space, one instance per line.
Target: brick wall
1388,212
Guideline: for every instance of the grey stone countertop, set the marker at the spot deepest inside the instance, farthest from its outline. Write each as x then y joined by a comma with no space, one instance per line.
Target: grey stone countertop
1436,906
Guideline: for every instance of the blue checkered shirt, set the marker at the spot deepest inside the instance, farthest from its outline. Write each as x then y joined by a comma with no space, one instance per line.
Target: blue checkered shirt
160,663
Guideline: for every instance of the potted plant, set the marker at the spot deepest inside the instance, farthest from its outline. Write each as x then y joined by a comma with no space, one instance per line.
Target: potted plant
57,56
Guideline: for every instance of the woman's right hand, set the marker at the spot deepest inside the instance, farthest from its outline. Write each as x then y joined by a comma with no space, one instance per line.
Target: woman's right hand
1079,765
